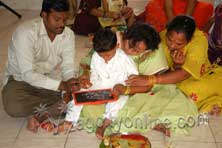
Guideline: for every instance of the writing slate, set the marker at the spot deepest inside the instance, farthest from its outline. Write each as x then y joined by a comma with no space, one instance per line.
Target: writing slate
99,96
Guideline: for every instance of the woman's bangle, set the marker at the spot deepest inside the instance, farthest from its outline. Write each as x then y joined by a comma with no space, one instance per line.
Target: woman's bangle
127,91
152,80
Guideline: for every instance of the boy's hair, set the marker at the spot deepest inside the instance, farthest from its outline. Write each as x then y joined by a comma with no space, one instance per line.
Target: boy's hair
104,40
57,5
142,32
182,24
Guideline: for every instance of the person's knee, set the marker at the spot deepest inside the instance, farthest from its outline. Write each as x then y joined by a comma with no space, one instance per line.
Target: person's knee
16,110
12,107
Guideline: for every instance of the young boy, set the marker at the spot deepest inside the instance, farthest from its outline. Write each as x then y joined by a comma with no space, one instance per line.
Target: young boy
109,66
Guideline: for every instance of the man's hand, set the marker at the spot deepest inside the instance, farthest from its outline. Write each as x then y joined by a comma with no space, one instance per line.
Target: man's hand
70,85
85,81
73,84
63,86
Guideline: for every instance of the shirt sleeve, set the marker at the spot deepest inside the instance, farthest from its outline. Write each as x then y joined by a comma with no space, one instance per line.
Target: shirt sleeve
23,45
68,55
196,56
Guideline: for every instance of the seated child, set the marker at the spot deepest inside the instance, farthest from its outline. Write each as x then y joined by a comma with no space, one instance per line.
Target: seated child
109,66
122,15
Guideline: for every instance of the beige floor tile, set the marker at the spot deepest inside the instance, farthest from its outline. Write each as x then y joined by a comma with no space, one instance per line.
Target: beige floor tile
81,40
6,142
10,127
3,51
216,127
1,78
193,145
39,142
2,63
196,136
78,139
157,144
155,135
40,134
219,145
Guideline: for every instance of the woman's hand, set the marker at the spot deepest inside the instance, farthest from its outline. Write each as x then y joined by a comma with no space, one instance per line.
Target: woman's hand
178,57
114,15
119,89
137,80
127,12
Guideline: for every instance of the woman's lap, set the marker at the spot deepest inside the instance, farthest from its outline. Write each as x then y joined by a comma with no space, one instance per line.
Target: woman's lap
165,103
206,92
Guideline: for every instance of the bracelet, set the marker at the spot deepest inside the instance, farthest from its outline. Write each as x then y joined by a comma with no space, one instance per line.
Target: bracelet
151,80
127,91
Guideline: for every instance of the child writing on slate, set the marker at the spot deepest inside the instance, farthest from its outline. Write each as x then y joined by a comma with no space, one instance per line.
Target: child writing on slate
110,66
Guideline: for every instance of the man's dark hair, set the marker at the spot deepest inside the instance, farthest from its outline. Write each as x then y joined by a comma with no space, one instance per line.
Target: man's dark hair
57,5
182,24
104,40
142,32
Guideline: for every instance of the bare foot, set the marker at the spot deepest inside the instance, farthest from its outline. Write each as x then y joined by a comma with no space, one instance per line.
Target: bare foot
48,126
65,126
100,130
33,124
162,128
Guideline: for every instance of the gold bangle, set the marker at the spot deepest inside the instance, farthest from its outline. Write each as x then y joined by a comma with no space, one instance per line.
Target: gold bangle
151,80
127,91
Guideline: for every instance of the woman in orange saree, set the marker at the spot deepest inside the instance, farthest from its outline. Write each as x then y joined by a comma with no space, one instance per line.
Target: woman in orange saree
159,12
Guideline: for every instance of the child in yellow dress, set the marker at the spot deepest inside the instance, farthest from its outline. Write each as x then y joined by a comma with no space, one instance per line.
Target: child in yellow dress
121,14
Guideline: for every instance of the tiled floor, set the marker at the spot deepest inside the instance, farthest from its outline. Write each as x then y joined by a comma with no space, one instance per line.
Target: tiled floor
13,133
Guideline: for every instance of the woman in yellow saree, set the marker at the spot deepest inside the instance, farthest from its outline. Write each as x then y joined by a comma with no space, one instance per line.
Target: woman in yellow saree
162,105
186,50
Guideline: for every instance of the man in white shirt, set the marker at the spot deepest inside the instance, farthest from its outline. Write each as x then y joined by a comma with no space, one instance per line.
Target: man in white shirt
40,63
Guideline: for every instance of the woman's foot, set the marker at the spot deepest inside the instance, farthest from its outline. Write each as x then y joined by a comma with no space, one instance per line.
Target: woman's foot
162,128
33,124
100,130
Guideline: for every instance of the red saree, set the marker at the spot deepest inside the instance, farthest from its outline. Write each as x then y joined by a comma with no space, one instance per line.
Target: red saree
155,14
